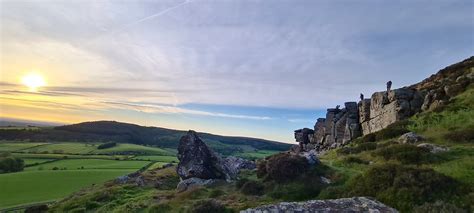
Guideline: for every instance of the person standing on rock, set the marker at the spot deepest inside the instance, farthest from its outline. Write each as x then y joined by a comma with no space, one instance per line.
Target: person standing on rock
389,86
361,97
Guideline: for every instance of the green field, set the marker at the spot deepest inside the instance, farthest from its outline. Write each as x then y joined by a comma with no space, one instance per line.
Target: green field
67,148
11,147
55,170
31,161
63,156
157,158
133,148
257,154
38,186
75,164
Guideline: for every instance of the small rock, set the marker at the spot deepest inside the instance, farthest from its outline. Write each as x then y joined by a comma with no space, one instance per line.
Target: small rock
410,138
325,180
311,156
433,148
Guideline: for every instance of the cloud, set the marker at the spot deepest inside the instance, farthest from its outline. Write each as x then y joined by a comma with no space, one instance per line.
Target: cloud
155,108
286,54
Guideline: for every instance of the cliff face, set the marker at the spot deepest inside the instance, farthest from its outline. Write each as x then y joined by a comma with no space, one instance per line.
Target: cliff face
340,126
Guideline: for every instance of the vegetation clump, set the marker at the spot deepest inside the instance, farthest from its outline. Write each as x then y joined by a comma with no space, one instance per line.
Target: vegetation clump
403,187
107,145
209,206
362,147
282,167
438,206
354,160
252,187
406,154
10,164
460,136
393,130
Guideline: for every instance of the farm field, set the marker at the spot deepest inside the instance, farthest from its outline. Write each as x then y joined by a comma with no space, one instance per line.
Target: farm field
157,158
11,147
31,161
133,148
257,154
80,164
66,148
38,186
68,156
54,170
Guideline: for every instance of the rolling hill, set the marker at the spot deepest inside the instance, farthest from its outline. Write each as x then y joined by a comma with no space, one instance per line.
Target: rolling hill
112,131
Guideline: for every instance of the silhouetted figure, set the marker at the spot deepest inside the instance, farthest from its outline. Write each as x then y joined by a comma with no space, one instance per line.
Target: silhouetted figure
337,107
389,86
361,97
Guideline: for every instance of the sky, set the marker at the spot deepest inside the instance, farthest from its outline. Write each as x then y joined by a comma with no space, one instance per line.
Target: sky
258,68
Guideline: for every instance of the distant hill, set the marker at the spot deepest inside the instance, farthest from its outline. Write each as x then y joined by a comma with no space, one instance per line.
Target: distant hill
107,131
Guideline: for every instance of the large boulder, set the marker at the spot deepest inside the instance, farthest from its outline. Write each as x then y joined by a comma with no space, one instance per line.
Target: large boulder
196,160
355,204
199,165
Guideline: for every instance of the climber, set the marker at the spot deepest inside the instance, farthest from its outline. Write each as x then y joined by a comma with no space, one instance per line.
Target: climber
361,97
389,86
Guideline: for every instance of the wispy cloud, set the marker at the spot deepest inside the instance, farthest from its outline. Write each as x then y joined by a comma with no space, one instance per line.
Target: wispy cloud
155,108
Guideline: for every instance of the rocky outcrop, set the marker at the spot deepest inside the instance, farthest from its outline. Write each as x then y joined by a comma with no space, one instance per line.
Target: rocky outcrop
198,164
386,108
355,204
340,126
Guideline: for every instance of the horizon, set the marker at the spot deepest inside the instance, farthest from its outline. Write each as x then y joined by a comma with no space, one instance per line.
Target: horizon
238,68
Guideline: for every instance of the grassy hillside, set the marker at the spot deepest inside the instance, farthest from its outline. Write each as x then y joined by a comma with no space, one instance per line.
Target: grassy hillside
110,131
406,177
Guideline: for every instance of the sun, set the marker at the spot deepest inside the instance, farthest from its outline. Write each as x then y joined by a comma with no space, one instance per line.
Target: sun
33,81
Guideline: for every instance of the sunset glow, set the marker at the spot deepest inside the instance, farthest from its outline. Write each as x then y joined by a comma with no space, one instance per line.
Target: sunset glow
33,81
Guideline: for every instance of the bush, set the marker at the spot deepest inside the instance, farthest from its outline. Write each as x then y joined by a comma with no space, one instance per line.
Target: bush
107,145
354,160
11,164
357,149
406,154
462,136
92,205
283,167
37,209
366,138
438,207
403,187
261,169
216,193
240,182
252,188
209,206
332,192
160,208
304,188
